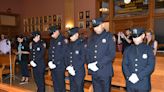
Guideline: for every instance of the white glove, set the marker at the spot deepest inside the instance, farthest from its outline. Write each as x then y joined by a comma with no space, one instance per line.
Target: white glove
133,78
71,70
33,64
93,66
51,65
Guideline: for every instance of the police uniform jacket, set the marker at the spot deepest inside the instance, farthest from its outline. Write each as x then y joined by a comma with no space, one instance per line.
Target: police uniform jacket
75,54
56,52
101,48
139,59
37,50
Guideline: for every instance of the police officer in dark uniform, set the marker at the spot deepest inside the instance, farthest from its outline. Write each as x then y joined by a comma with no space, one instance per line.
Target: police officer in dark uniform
100,54
75,61
37,50
23,57
138,63
56,62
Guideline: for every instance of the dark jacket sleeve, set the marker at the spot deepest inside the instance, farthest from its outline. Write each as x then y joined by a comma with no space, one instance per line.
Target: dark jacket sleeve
150,65
50,52
125,64
109,54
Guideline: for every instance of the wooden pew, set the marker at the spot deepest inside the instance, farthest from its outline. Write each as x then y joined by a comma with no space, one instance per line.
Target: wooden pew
157,78
9,88
5,64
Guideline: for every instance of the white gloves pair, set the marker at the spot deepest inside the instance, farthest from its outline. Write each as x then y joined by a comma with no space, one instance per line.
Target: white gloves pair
71,70
51,65
133,78
93,67
33,64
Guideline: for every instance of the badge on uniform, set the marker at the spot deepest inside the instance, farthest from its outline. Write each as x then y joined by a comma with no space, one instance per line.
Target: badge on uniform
76,52
38,49
59,43
103,40
144,56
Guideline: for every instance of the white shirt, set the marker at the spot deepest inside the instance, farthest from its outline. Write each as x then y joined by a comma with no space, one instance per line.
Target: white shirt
5,46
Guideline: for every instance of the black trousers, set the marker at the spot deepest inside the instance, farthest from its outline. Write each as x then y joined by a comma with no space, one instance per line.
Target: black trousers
136,90
101,84
39,78
77,81
58,80
24,68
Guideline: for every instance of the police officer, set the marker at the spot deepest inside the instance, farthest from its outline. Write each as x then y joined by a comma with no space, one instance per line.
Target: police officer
37,50
138,63
75,61
100,54
23,57
56,62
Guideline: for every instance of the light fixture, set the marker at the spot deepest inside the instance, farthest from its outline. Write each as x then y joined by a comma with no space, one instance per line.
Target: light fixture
127,1
69,26
103,9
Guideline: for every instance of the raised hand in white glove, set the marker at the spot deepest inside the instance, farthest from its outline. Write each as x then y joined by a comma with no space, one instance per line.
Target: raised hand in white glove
33,64
93,66
51,65
133,78
71,70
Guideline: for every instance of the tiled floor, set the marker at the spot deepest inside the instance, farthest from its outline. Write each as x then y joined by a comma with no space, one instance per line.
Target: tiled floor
31,85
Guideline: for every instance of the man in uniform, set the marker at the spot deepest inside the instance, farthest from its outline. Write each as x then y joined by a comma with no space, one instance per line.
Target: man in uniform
75,61
138,63
37,50
56,55
100,54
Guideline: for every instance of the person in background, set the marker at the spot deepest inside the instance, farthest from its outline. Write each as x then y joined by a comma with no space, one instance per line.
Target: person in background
37,50
5,45
23,57
75,61
138,63
56,57
150,40
101,50
125,39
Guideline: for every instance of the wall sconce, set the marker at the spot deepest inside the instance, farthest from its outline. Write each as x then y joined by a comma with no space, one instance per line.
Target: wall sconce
127,1
103,9
69,26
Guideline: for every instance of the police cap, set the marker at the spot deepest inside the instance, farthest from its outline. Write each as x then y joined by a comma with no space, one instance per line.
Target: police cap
97,21
73,31
52,29
136,32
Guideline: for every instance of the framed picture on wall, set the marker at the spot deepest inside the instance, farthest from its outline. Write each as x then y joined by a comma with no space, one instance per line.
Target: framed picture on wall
45,19
59,18
81,15
87,14
33,20
29,21
41,19
54,18
36,20
87,24
81,24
